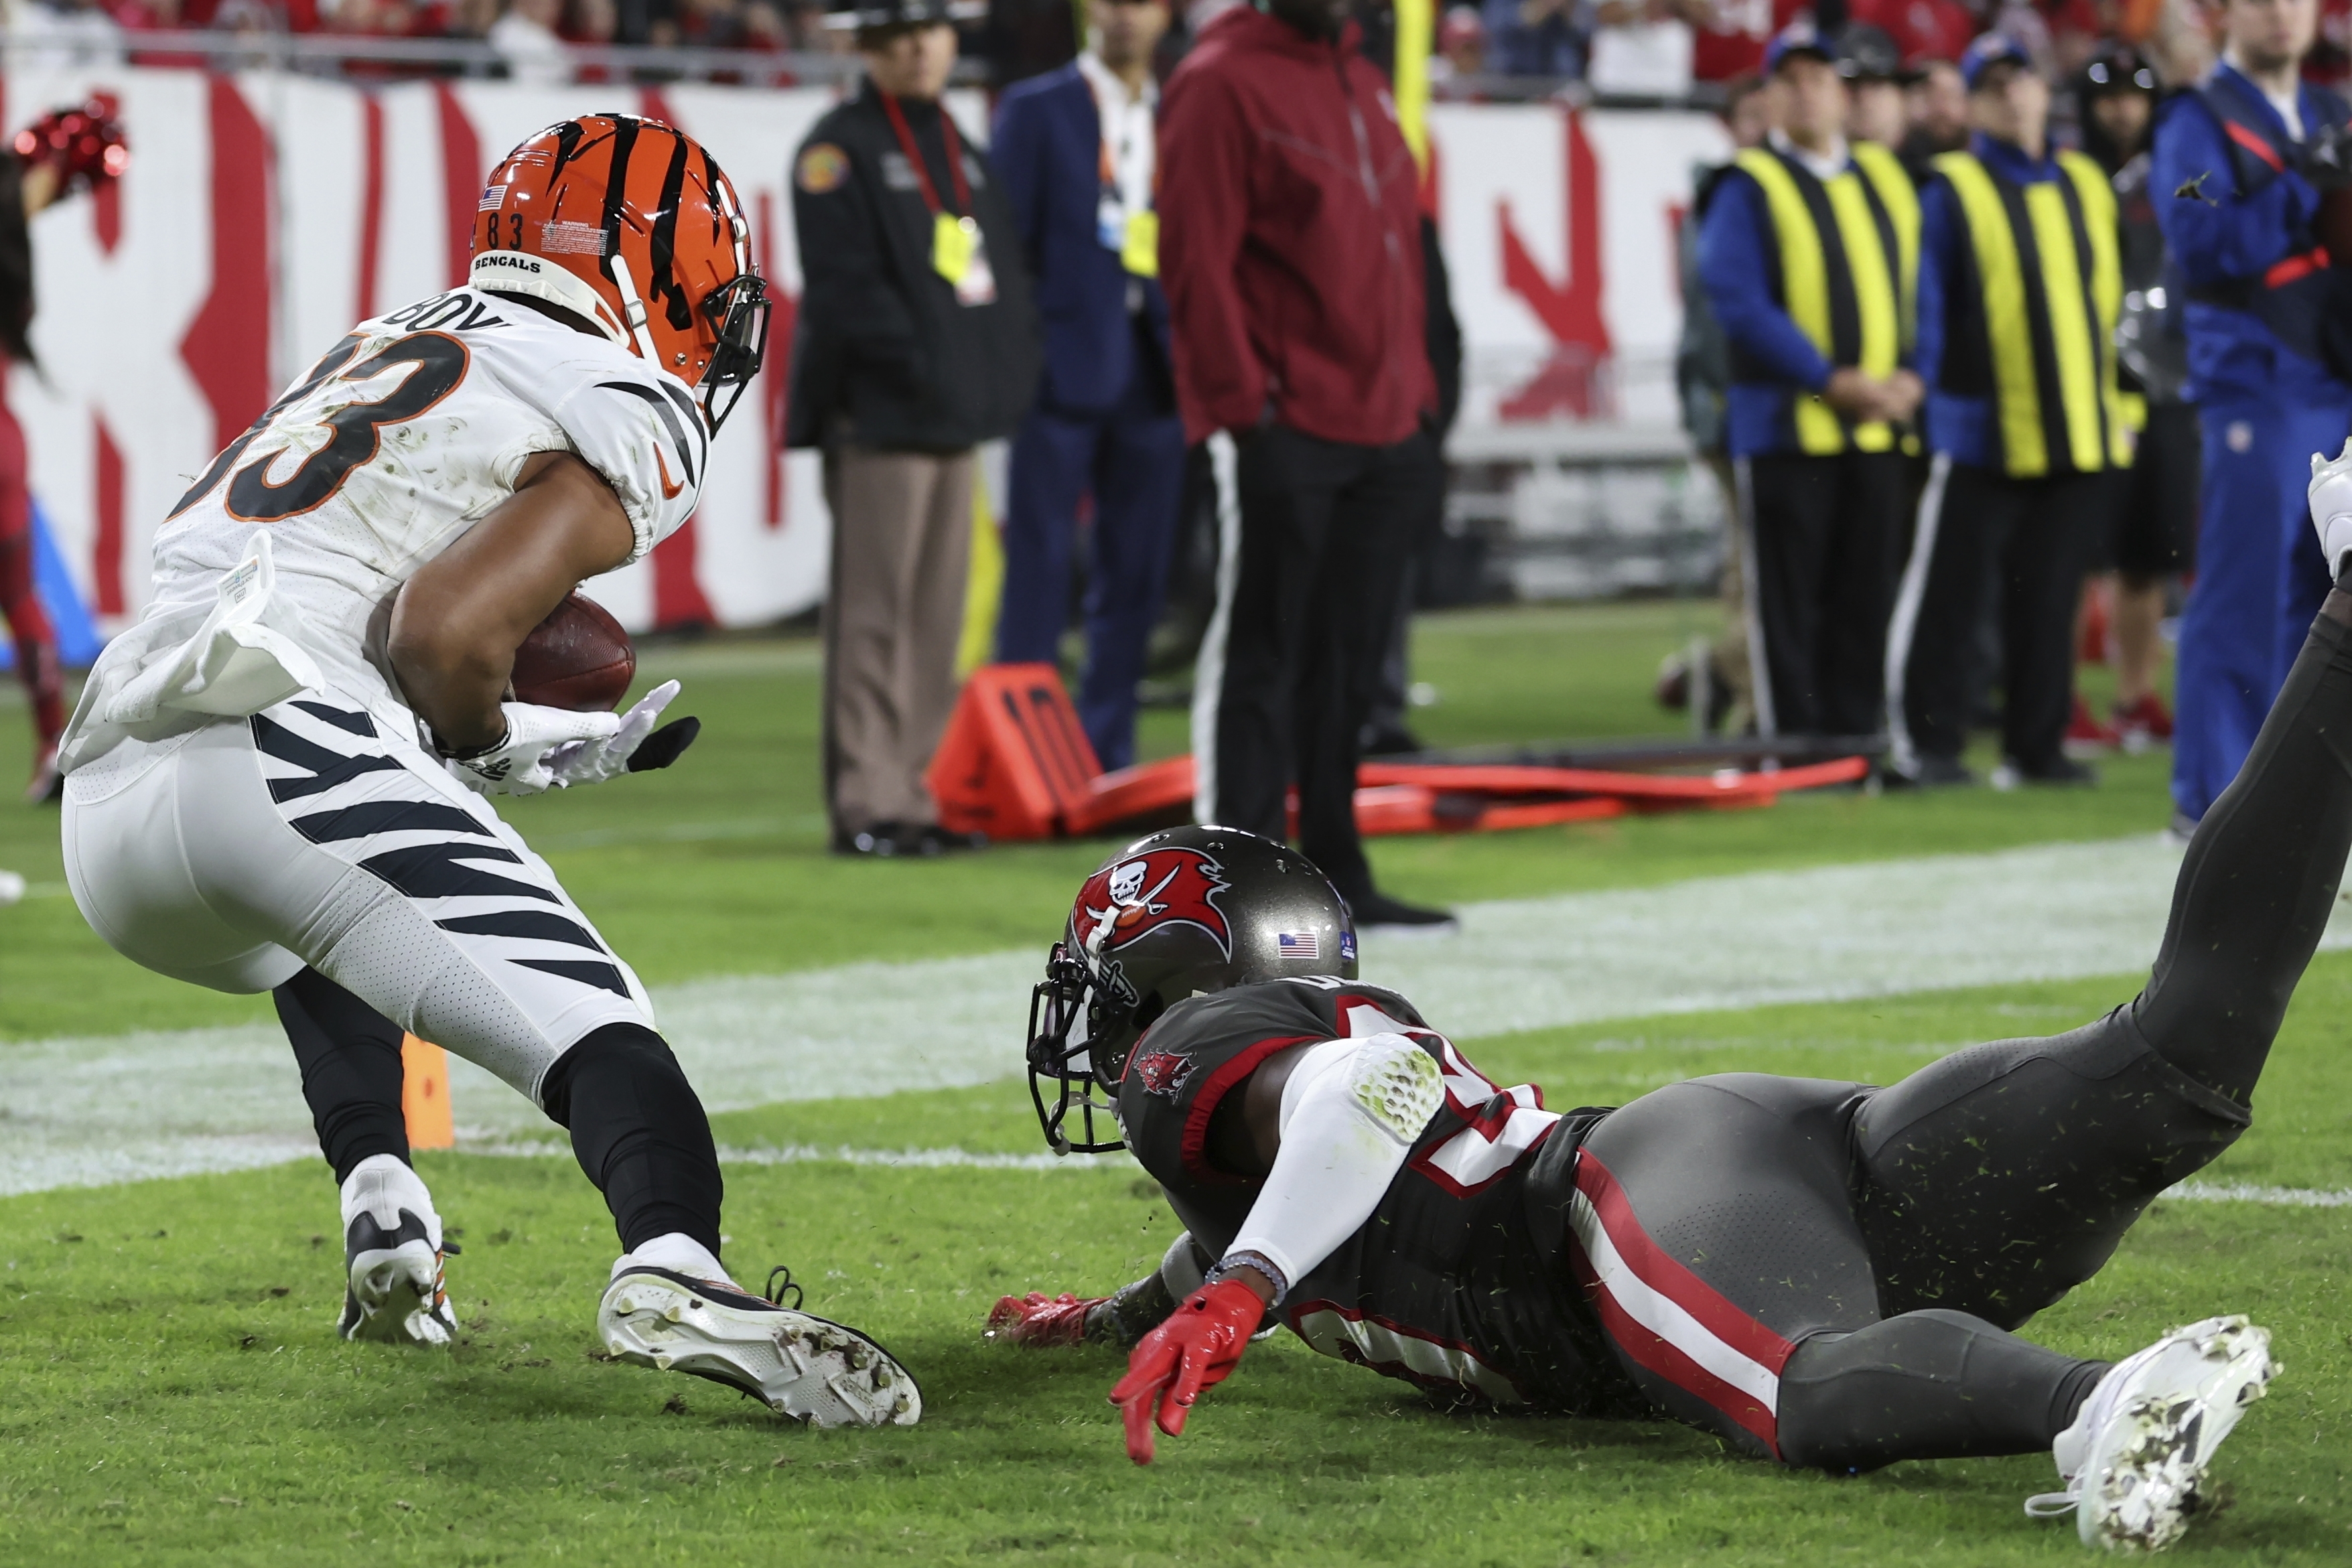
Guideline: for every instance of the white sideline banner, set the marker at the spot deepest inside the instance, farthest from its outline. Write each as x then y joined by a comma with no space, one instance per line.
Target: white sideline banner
263,213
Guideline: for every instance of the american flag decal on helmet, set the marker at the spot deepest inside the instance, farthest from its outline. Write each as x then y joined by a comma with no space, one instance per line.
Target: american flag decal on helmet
1304,945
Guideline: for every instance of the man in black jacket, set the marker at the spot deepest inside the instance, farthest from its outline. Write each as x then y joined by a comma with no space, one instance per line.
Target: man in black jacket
915,341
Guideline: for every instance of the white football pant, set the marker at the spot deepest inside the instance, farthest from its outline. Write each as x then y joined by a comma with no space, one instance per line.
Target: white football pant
305,834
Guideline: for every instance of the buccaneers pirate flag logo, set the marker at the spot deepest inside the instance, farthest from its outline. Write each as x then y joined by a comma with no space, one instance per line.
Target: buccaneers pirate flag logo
1129,899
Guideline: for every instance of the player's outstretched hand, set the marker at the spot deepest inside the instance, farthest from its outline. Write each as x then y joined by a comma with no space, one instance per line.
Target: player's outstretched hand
1196,1349
522,763
594,760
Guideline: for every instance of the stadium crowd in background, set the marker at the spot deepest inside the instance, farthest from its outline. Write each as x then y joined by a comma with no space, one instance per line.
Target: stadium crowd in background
1495,47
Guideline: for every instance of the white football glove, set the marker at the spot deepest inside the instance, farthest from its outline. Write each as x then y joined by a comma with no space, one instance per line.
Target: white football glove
519,764
2331,507
597,758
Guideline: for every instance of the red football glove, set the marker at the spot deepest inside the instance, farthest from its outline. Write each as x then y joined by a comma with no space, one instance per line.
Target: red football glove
79,141
1039,1321
1197,1348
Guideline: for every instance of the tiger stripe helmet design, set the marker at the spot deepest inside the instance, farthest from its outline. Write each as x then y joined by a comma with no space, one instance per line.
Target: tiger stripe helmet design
630,225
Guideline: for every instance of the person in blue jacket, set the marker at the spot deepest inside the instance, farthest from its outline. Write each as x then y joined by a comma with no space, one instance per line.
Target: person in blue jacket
1806,250
1076,151
2019,288
2236,197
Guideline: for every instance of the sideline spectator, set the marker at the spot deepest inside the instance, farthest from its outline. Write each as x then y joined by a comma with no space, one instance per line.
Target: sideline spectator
1728,37
2268,368
1938,118
2017,347
2152,535
1461,56
1640,48
915,343
1077,152
1535,38
525,39
1819,384
1877,107
1291,253
1923,31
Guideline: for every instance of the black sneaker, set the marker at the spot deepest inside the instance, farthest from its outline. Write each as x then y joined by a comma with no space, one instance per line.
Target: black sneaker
1379,910
878,840
938,841
1931,773
2062,770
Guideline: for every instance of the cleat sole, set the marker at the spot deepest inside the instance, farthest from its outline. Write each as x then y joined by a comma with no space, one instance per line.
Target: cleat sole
807,1368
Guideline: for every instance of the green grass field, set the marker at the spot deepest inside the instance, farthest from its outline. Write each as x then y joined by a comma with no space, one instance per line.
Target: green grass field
171,1388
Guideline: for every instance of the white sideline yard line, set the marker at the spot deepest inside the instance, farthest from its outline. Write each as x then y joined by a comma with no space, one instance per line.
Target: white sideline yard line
90,1110
815,1154
967,1159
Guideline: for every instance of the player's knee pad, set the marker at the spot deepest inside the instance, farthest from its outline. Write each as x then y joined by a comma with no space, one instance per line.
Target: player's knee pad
616,1056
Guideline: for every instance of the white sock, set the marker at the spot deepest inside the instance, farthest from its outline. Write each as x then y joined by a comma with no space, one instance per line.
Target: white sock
382,1185
677,1253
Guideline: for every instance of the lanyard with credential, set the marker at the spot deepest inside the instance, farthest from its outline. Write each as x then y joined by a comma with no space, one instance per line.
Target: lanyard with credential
1135,235
954,234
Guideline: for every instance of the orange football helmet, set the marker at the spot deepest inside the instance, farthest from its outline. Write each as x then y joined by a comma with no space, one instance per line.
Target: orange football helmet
629,226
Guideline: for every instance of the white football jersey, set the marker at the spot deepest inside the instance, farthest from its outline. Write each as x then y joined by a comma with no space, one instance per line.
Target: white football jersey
399,440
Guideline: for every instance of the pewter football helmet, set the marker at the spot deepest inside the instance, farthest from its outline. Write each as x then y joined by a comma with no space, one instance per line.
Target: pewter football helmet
1180,912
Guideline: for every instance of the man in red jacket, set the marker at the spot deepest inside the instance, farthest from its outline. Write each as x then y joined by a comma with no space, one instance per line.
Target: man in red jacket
1290,252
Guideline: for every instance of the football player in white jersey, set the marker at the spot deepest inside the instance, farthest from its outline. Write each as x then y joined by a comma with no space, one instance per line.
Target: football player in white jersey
275,781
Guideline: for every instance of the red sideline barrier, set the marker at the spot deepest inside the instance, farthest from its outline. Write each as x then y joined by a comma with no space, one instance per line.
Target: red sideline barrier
1015,764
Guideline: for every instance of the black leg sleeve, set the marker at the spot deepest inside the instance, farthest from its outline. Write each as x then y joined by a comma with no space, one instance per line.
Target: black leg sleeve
639,1131
2260,878
1926,1386
349,1057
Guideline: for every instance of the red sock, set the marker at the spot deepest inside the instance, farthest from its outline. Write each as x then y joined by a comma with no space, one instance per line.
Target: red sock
37,646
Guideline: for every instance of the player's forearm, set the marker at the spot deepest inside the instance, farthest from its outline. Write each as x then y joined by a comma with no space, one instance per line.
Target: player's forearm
1350,1113
456,685
459,621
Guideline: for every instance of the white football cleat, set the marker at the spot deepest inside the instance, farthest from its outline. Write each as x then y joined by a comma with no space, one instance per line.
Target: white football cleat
394,1288
805,1367
2331,507
2136,1455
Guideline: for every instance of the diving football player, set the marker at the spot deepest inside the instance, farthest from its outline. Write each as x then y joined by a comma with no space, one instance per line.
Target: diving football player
1824,1274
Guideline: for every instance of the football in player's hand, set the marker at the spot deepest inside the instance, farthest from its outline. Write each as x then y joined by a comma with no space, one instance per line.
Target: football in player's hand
578,658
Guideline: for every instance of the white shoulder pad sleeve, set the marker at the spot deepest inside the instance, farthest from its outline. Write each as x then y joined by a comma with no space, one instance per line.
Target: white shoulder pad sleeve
643,433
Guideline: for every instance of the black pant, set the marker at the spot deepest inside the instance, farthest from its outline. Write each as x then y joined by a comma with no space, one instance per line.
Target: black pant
1291,662
1876,1245
2032,537
1825,535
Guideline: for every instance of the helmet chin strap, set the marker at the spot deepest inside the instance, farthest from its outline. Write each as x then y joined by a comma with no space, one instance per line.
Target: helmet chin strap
634,310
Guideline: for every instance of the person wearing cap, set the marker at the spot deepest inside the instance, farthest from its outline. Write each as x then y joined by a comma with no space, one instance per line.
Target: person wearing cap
2242,168
1806,251
2019,290
1878,107
915,341
1076,150
1290,246
2152,533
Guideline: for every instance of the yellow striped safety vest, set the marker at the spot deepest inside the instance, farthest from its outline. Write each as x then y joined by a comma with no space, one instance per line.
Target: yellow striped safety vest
2047,275
1849,259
